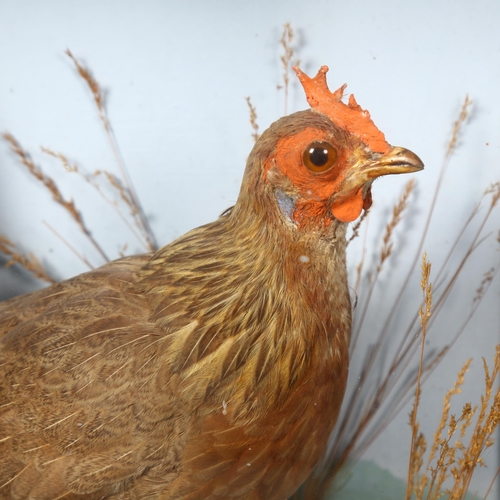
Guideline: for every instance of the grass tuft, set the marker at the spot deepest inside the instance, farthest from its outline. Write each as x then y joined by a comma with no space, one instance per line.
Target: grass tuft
29,262
253,119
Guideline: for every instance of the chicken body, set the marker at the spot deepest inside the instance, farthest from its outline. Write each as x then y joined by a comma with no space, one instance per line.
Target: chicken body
206,385
213,369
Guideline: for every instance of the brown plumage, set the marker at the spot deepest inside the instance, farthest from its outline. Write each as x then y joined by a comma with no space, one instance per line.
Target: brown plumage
216,367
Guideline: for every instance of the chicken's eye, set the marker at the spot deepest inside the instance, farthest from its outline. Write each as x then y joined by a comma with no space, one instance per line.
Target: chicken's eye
319,156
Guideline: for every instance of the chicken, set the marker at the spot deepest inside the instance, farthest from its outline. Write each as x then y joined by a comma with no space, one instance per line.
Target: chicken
214,368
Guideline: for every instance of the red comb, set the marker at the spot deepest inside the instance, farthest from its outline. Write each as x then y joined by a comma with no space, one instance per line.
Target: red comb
350,117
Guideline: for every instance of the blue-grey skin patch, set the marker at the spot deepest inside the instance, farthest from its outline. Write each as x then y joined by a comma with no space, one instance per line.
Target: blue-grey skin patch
286,204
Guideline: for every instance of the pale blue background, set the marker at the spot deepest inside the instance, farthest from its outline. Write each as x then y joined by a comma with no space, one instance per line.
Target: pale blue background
177,73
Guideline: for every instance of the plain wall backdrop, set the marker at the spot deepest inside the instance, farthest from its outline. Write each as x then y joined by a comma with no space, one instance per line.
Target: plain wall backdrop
176,74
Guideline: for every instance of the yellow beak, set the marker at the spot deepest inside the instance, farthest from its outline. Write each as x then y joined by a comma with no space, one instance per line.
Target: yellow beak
354,194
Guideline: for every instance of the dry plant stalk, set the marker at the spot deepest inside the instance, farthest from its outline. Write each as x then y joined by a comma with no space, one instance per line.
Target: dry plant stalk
458,124
95,89
418,444
253,119
97,93
286,59
485,283
397,212
446,453
124,190
457,128
385,252
486,423
454,460
494,192
49,183
66,243
29,262
357,226
113,182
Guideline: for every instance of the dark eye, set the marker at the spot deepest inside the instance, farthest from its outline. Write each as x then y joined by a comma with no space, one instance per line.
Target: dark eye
319,156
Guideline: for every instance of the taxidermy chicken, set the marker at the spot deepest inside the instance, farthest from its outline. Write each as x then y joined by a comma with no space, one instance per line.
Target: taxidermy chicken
214,368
